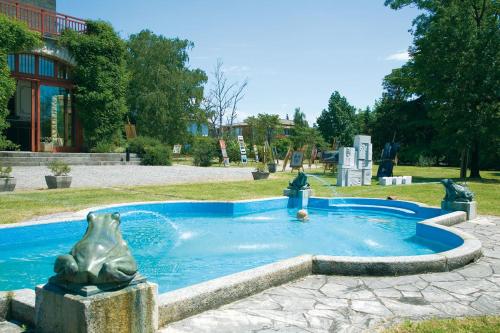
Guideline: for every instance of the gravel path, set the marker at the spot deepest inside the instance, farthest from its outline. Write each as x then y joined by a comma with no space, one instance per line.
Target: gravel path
123,175
319,303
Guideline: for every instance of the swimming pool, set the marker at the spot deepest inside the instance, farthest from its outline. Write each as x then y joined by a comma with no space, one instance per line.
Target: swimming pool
178,244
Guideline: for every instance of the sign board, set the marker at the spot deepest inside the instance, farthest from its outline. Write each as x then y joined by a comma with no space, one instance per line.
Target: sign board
243,150
177,149
297,158
222,144
256,153
130,131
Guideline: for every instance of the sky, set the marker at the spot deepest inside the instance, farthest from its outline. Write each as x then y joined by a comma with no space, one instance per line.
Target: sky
294,53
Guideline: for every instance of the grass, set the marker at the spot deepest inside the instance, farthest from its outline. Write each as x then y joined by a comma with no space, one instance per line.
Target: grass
23,205
458,325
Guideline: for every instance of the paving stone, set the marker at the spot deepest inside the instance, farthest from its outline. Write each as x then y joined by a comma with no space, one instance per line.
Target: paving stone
408,309
370,307
436,295
437,277
387,292
456,309
476,271
487,304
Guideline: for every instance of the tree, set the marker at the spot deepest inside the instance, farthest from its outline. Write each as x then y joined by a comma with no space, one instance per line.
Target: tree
264,127
299,118
15,36
100,78
455,66
164,95
338,121
222,98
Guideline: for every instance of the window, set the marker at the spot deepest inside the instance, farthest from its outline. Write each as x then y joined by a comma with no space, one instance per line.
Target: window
11,62
45,67
27,63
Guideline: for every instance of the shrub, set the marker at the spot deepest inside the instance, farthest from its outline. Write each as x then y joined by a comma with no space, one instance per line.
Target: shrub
104,147
157,155
233,151
426,161
282,145
204,150
139,144
5,172
59,168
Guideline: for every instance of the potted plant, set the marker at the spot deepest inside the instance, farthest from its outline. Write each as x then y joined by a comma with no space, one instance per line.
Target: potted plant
260,172
7,182
46,144
59,177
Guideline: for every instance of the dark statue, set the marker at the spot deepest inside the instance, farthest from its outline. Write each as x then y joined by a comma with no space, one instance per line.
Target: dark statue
456,192
100,257
299,183
389,153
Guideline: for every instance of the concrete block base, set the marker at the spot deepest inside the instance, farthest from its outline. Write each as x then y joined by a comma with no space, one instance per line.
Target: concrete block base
298,199
131,309
469,207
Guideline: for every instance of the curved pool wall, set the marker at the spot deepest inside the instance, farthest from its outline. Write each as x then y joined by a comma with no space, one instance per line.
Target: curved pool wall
181,303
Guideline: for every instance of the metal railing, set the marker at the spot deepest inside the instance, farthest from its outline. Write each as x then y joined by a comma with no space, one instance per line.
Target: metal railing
48,23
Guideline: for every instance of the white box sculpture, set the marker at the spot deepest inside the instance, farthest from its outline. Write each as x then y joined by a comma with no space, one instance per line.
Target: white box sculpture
355,163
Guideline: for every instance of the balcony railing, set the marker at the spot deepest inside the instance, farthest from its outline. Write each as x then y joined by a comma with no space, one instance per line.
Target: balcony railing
47,22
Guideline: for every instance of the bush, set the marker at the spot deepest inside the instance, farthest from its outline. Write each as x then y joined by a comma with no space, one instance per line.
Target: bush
426,161
282,145
104,147
151,151
204,150
59,168
139,144
233,151
157,155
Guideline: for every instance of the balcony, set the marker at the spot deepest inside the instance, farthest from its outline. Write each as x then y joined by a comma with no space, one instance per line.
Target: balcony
48,23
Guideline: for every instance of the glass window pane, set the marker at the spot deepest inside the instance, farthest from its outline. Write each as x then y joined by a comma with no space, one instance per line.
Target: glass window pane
27,63
45,67
56,116
11,61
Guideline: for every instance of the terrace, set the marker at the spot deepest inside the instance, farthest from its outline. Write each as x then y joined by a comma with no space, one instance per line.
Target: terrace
48,23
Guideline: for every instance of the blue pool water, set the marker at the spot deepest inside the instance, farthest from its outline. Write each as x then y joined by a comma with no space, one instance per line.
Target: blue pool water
177,247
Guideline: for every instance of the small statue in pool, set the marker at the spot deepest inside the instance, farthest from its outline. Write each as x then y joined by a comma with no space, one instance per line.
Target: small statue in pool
299,183
456,193
100,257
302,215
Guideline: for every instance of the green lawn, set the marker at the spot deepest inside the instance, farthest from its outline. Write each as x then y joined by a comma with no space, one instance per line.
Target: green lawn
23,205
460,325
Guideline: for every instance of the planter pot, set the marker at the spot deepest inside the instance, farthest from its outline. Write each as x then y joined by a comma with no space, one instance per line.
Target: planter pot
257,175
46,147
58,181
271,167
7,184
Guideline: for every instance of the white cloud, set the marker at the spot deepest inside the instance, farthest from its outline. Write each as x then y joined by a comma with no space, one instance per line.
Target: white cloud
399,56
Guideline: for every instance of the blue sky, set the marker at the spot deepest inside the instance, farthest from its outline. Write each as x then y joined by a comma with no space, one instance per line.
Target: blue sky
295,53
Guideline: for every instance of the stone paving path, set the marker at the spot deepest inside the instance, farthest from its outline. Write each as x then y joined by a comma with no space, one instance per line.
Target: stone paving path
320,303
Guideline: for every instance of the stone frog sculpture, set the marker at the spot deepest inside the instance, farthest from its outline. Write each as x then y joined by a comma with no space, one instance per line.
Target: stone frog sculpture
456,193
100,257
299,183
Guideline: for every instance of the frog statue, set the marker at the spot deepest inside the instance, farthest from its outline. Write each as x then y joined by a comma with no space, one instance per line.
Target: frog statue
299,183
100,257
455,192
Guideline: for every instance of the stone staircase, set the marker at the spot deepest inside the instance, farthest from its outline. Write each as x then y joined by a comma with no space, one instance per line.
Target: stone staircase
24,158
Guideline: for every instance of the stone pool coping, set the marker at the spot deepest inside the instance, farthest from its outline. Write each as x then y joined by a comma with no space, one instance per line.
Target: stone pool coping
185,302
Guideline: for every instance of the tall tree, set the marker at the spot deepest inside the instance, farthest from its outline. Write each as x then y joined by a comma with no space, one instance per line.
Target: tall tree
299,118
455,63
15,37
164,95
101,79
338,121
222,99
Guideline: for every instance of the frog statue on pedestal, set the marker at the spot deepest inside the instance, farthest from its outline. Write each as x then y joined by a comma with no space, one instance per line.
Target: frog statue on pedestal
100,257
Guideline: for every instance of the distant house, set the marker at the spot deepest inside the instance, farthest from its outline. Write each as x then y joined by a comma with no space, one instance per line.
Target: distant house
198,129
243,128
42,109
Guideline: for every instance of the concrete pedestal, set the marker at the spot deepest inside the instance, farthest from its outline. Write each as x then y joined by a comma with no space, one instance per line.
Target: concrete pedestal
298,199
469,207
131,309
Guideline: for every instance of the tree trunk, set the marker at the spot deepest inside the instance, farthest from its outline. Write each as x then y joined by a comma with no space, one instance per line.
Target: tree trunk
463,164
474,164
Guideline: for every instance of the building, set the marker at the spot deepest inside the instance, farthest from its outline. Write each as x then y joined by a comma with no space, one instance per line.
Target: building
243,128
42,115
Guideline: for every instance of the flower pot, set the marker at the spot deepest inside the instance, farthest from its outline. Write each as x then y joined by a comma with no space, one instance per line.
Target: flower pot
271,167
257,175
46,147
58,181
7,184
